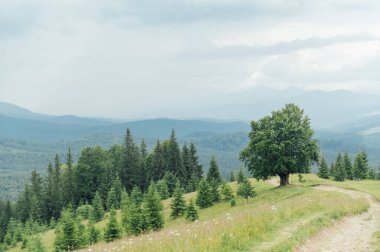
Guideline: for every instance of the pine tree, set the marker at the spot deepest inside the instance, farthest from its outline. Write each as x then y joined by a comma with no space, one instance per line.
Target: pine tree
340,172
226,192
162,189
323,169
67,232
131,173
196,167
371,174
93,233
57,188
204,198
136,196
232,177
245,190
37,199
112,199
191,213
112,230
118,187
156,163
132,218
143,165
171,180
151,210
34,244
241,176
173,157
177,204
348,166
361,166
69,183
98,211
332,170
214,191
213,174
49,201
192,184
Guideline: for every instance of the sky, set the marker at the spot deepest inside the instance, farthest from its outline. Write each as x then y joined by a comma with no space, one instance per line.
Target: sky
139,58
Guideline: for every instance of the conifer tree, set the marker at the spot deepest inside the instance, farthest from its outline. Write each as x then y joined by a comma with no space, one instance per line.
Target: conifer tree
192,184
136,196
57,188
132,218
118,187
332,170
173,157
49,201
131,173
151,210
241,176
226,192
162,189
34,244
348,166
204,198
245,190
361,166
213,174
171,180
112,230
98,210
371,174
156,163
177,205
340,172
196,167
67,232
191,213
112,199
323,169
93,233
69,183
232,176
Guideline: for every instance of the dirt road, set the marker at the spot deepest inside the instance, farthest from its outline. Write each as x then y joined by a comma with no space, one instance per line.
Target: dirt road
352,233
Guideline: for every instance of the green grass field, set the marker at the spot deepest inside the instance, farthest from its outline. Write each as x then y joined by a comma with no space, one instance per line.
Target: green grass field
263,224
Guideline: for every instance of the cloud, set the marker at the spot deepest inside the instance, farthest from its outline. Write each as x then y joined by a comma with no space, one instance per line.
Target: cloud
126,58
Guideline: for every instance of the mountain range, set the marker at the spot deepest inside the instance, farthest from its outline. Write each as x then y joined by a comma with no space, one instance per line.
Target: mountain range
343,121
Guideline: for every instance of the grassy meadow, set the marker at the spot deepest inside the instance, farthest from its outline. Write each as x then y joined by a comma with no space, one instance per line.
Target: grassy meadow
277,219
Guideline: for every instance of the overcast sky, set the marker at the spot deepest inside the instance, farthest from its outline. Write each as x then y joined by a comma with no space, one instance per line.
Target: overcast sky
136,58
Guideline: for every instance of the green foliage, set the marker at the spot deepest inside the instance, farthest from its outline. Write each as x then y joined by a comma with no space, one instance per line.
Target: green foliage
98,211
323,169
191,213
371,174
162,189
112,201
84,212
204,195
112,230
340,171
226,193
232,176
245,190
361,166
69,232
276,140
136,196
241,176
131,174
151,210
177,205
34,244
233,202
348,166
213,174
171,180
93,233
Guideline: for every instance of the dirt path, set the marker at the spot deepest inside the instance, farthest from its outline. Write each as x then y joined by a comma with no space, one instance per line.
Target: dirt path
352,233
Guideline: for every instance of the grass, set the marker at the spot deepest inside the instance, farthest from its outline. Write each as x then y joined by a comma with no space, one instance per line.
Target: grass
369,186
259,225
247,226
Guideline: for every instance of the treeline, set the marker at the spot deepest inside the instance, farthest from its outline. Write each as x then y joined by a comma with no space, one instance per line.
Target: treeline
344,168
99,177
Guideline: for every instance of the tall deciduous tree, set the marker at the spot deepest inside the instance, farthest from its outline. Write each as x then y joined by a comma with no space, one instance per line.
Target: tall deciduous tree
281,144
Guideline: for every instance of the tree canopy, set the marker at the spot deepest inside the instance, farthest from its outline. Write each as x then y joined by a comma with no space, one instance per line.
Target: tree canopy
281,144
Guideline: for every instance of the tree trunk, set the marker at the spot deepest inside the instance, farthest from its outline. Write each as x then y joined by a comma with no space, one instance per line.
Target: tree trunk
284,179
